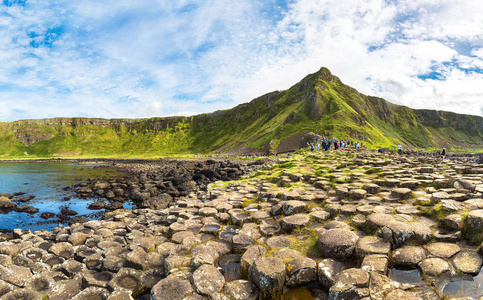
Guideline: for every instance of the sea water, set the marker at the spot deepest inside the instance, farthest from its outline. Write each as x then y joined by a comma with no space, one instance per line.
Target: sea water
46,181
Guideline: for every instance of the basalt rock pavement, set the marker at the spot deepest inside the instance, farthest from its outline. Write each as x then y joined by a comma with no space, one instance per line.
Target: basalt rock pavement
331,225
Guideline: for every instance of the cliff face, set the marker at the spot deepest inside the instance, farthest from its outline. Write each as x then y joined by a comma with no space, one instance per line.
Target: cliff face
318,103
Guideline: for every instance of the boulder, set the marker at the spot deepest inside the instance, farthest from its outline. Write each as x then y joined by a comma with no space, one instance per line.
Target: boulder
337,243
208,280
268,273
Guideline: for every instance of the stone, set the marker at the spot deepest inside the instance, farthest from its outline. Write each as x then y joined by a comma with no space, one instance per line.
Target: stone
401,294
443,250
40,283
241,290
293,222
77,238
372,245
474,221
64,289
467,262
287,254
351,284
15,275
126,279
434,266
252,253
72,267
208,280
63,249
327,271
337,243
293,207
401,193
378,220
301,271
398,233
358,193
375,263
171,288
94,278
278,242
371,188
241,242
408,256
268,273
92,292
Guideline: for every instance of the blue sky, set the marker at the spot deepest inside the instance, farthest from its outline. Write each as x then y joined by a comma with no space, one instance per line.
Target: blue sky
114,59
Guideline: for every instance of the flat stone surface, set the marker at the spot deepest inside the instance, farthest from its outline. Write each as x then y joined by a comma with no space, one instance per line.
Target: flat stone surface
372,245
434,266
293,222
375,263
208,280
171,288
443,250
241,290
408,256
337,243
467,262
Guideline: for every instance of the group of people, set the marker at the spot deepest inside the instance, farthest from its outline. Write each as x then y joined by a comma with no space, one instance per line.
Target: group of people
324,144
441,154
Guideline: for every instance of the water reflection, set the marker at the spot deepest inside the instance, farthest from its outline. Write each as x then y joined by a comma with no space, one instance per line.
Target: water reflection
45,181
405,276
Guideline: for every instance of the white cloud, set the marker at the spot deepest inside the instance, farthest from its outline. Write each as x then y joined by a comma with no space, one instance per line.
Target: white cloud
87,57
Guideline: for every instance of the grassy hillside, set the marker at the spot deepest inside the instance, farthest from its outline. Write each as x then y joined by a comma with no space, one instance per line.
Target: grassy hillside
319,103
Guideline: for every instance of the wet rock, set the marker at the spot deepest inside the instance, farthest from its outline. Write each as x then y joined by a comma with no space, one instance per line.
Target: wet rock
27,209
171,288
268,273
47,215
241,290
208,280
337,243
6,204
301,271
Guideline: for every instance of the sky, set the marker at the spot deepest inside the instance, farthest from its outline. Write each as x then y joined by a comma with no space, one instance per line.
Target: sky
140,58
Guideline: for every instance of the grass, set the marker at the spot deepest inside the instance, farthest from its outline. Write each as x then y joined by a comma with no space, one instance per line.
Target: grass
320,103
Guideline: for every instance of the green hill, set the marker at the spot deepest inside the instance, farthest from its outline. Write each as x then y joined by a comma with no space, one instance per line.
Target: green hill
318,103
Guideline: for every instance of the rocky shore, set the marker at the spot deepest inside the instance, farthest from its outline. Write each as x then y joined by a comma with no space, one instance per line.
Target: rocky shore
332,225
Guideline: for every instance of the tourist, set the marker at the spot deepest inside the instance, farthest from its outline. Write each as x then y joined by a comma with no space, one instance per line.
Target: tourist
399,149
443,153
